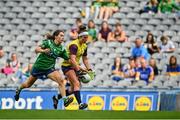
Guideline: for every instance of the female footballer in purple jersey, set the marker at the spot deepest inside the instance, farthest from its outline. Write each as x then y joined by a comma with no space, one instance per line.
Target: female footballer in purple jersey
76,49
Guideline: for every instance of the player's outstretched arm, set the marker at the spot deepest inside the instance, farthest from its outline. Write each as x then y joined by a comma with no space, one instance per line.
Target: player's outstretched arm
40,50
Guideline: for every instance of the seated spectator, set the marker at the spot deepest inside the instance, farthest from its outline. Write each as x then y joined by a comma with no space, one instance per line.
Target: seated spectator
75,30
152,63
95,9
150,44
92,30
15,64
1,52
104,31
113,7
109,7
139,51
151,7
117,73
130,69
118,34
173,68
137,63
166,46
167,6
24,73
7,69
145,72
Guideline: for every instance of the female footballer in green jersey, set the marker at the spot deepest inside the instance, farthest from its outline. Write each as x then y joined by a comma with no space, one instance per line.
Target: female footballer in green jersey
44,65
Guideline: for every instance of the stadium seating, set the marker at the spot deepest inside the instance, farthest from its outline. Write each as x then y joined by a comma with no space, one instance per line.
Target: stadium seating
24,23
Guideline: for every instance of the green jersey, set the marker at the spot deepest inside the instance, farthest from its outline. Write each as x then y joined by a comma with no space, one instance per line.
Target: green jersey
92,32
111,4
166,7
96,4
47,61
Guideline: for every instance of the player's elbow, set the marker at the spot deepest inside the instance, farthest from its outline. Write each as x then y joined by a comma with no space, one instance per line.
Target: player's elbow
37,50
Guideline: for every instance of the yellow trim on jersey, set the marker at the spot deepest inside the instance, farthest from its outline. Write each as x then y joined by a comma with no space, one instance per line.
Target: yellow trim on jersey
80,52
173,73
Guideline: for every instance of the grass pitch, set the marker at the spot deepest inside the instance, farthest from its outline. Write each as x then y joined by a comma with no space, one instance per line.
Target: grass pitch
85,114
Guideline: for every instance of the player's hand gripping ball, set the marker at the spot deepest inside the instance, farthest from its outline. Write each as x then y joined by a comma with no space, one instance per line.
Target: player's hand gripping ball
87,76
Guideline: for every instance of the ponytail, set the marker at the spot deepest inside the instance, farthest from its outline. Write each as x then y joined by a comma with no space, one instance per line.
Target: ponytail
52,37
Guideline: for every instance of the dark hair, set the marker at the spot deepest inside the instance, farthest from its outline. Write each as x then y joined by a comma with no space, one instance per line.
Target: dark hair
118,24
89,22
82,28
103,23
78,20
164,37
152,40
56,33
131,59
1,47
171,59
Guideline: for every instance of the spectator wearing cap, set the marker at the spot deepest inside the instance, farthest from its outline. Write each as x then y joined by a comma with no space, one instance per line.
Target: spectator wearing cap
139,51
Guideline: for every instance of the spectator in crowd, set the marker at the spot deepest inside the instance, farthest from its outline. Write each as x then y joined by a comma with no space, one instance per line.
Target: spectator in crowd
15,64
118,34
139,51
137,63
145,72
1,52
8,69
167,6
113,5
150,44
104,31
152,63
166,46
173,68
151,7
92,30
24,73
75,30
109,7
117,73
95,9
130,70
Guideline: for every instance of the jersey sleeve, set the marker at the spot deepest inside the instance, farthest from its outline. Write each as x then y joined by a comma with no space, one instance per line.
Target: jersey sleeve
85,52
44,44
65,55
73,49
171,45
